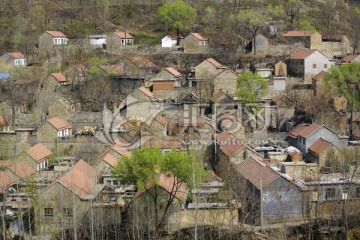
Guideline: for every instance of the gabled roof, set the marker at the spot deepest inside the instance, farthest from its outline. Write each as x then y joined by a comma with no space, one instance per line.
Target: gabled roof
110,159
231,147
59,123
218,95
39,152
214,62
59,77
198,36
23,169
295,132
310,130
319,76
80,179
56,34
121,150
259,174
222,137
173,71
6,180
349,58
319,146
113,69
146,91
164,144
123,35
161,119
167,183
16,55
301,54
226,69
299,33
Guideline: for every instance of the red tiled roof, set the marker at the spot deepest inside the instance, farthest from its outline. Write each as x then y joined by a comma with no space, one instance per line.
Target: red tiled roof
59,77
319,76
113,69
6,180
142,62
80,179
319,145
161,119
256,172
23,169
222,137
5,163
167,183
56,34
214,62
173,71
39,152
301,54
231,147
309,130
295,132
123,35
218,95
163,144
198,36
59,123
121,150
298,33
122,142
349,58
17,55
146,91
110,159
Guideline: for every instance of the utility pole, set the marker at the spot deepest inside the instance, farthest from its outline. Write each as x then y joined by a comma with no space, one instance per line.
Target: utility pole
261,210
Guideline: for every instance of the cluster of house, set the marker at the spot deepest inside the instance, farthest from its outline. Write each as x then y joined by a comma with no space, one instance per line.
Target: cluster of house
170,108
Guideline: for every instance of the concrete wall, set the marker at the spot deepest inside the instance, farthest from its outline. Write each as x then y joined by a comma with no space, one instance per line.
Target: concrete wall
186,218
283,200
316,63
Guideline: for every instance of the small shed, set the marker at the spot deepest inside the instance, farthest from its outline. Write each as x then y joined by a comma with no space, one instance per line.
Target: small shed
168,41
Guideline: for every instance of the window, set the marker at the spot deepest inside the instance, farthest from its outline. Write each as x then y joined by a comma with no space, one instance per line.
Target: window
314,65
115,183
67,212
330,193
48,212
325,65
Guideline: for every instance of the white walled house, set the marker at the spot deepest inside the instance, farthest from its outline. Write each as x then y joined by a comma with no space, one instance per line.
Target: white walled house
168,41
14,58
307,63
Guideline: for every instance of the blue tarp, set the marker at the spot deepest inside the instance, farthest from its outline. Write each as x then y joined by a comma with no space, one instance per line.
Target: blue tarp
4,75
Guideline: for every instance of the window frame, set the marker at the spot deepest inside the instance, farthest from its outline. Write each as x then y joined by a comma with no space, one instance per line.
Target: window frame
48,212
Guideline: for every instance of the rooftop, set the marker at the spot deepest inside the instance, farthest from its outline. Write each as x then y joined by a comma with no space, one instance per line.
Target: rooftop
39,152
59,123
56,34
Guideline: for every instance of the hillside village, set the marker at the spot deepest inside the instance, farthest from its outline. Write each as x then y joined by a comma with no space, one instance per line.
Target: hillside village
269,115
